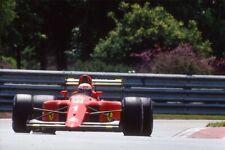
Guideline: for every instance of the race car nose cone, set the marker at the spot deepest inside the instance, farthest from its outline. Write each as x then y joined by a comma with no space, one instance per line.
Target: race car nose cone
75,115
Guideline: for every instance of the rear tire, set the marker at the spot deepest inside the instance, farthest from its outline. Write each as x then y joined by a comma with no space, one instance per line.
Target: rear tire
22,109
137,116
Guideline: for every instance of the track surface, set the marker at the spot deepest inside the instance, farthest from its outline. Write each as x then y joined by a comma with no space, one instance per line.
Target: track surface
167,135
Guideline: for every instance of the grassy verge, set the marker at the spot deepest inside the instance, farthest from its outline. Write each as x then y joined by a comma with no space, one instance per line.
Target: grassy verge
220,123
189,117
5,115
216,124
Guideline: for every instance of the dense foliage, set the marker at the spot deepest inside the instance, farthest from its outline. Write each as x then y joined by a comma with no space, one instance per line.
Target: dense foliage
143,28
99,66
181,60
7,13
68,34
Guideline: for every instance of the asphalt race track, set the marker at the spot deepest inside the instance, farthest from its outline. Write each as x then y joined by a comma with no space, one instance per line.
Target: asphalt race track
167,135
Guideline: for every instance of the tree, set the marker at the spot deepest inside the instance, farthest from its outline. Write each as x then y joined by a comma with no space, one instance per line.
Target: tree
142,28
7,13
94,24
42,32
209,14
24,34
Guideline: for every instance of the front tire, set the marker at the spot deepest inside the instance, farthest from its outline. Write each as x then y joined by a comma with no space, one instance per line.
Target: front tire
137,116
148,116
49,131
22,109
38,101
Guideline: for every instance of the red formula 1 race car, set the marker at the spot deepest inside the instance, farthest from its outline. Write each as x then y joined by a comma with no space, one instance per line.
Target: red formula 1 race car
82,110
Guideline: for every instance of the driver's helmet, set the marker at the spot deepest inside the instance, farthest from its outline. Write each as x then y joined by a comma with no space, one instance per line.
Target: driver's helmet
85,88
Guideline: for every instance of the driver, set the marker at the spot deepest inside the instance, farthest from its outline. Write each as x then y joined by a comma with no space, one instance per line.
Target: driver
85,88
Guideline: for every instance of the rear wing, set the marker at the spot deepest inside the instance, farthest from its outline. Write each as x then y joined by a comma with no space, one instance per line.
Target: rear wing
96,82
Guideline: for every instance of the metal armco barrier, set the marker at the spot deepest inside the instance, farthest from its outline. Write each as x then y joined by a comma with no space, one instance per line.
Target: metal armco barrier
176,94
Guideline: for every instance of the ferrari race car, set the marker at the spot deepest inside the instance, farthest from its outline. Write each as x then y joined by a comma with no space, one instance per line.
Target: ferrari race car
82,110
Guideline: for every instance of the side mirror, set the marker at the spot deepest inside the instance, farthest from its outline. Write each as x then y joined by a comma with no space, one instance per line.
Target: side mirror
64,93
98,93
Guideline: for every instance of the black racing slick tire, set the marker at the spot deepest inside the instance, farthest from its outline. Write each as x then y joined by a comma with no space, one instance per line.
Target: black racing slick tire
148,116
22,109
137,116
131,116
38,101
49,131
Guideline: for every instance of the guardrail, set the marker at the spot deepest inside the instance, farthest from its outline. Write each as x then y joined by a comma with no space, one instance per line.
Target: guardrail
179,94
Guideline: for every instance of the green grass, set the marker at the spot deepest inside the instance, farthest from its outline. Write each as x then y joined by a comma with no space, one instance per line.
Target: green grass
216,124
189,117
220,123
5,115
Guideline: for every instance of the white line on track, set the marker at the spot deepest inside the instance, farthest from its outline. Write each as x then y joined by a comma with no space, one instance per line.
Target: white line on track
187,132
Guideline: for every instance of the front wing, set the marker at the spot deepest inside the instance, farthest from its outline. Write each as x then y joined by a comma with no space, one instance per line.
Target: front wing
85,126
